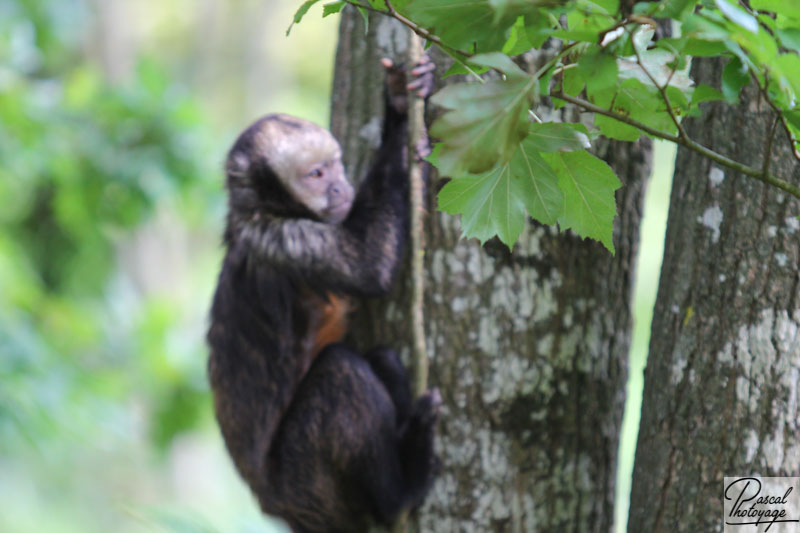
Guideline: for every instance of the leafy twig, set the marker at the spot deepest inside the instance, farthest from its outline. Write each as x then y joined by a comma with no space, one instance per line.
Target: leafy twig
685,142
422,32
662,90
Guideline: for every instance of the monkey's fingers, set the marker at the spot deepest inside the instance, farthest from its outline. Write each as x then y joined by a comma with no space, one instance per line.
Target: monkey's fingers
423,148
423,82
423,67
387,63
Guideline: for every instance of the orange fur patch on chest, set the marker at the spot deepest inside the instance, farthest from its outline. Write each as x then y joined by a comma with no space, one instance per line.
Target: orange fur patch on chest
333,323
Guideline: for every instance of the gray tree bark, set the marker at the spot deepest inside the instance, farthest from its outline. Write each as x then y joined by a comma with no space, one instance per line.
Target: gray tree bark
720,393
529,348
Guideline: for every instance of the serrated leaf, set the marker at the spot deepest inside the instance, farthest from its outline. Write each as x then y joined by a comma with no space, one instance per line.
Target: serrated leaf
738,16
538,185
557,137
300,13
487,203
588,185
483,124
332,8
734,77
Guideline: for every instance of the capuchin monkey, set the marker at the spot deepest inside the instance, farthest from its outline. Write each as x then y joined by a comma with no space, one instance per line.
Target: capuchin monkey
329,439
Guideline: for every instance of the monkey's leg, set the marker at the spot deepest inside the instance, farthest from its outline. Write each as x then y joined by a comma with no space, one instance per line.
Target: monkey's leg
387,366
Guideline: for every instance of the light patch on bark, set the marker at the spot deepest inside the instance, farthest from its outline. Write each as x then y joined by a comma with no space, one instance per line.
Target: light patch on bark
716,176
712,219
792,225
767,352
391,36
371,133
679,364
751,444
772,231
781,259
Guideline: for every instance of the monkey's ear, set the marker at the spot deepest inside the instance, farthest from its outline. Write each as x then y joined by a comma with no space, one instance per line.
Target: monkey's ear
238,164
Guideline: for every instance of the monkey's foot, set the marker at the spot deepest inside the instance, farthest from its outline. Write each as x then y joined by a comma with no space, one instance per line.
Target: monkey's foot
420,463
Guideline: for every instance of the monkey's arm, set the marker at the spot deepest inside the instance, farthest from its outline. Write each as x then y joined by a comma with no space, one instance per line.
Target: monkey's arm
332,257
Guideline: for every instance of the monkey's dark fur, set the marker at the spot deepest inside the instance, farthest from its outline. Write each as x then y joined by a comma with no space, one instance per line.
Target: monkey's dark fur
327,438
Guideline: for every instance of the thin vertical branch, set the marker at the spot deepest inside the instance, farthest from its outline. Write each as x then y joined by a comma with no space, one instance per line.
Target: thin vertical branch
416,132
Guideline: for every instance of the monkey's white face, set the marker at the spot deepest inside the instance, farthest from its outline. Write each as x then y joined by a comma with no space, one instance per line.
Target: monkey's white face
319,181
307,160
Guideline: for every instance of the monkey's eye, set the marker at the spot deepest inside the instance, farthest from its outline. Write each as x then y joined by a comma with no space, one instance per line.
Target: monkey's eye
316,173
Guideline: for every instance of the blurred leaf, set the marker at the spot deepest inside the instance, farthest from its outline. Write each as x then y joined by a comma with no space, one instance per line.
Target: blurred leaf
333,7
300,13
734,77
738,15
484,123
599,70
479,27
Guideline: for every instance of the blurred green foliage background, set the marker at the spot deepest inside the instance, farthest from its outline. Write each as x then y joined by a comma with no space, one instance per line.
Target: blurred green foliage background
115,116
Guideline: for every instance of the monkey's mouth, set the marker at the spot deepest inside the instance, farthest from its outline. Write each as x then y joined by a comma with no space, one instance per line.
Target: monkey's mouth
338,212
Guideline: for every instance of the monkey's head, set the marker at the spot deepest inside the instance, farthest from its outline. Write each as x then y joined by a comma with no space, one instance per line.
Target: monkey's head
287,167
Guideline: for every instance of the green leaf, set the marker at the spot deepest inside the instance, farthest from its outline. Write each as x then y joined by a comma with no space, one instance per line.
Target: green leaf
537,26
488,205
790,38
463,24
573,82
300,13
598,69
674,9
517,42
737,15
365,17
793,116
734,77
538,184
501,62
588,185
484,123
557,137
704,48
705,93
639,102
332,8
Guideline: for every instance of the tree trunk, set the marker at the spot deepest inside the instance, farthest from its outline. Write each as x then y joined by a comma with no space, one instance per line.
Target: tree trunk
529,348
720,393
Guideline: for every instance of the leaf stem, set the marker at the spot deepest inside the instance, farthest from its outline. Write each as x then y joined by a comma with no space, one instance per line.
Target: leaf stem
784,124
